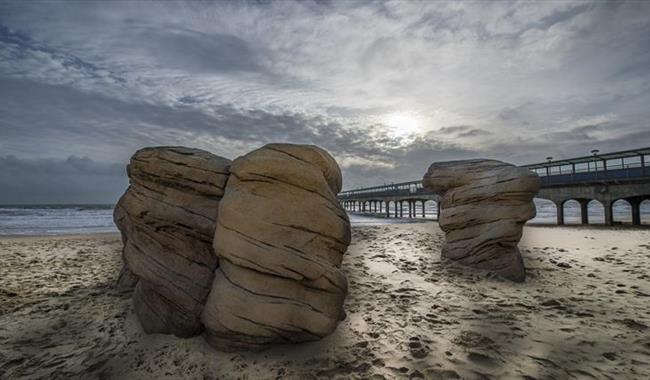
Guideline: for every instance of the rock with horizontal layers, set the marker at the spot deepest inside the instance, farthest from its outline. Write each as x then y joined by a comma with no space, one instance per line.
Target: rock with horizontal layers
167,219
484,206
280,239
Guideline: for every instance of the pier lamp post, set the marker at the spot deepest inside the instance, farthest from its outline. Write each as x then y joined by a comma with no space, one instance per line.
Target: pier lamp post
595,153
549,159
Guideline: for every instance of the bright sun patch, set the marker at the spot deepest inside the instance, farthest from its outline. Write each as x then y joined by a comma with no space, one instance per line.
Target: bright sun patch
403,124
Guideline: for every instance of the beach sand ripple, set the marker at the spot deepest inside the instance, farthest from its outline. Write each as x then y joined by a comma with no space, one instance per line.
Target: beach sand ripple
582,313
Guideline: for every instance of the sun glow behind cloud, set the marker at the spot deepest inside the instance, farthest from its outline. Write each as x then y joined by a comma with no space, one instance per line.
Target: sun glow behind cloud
403,125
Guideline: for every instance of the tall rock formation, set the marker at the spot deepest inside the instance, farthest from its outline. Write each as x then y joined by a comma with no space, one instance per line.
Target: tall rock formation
280,238
484,206
167,219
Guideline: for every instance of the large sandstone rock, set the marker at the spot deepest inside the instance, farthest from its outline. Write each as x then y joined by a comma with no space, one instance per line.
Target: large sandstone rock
167,220
485,204
280,238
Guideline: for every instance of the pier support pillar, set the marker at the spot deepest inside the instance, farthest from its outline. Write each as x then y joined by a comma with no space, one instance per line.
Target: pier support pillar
584,210
636,213
401,209
635,203
424,214
387,209
559,206
609,217
438,210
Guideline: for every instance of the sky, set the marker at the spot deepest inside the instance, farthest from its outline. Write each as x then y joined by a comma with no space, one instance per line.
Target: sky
386,87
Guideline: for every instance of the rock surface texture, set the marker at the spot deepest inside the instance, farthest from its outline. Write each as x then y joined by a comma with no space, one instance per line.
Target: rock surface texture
280,239
167,219
484,206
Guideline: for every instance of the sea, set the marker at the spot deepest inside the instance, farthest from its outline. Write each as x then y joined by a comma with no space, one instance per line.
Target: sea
56,219
98,218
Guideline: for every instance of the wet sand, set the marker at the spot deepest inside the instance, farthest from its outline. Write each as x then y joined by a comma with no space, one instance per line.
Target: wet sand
583,313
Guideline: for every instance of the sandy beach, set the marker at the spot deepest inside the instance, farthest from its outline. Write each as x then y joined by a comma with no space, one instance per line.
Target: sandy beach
582,313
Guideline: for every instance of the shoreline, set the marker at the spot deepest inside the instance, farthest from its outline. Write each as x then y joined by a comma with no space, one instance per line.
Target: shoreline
400,221
75,235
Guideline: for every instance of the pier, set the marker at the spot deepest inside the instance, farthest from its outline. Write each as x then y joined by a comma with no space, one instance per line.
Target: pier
604,178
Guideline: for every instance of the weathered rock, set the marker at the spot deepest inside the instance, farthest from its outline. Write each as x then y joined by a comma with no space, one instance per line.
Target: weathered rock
127,279
280,238
167,219
484,206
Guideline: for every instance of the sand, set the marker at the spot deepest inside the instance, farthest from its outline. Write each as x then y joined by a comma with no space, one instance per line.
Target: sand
583,313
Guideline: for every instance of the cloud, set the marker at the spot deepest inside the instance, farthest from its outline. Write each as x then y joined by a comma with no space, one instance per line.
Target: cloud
509,80
460,131
73,180
193,51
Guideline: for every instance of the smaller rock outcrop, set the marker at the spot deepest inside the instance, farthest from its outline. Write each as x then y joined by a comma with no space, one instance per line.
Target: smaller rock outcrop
484,206
280,239
167,219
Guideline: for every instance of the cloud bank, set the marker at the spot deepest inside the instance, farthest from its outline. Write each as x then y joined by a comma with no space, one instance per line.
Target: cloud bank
516,81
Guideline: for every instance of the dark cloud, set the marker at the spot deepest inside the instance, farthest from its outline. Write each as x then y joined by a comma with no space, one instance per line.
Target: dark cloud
20,47
581,133
73,180
192,51
495,79
460,131
557,17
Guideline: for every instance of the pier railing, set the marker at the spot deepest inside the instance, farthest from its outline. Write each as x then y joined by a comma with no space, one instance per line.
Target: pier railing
612,174
609,167
388,190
